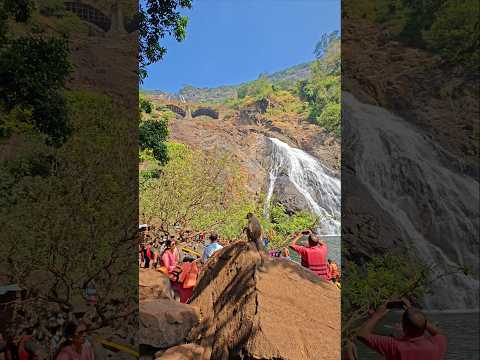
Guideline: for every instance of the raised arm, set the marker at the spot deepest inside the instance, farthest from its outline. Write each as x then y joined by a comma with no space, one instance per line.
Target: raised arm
367,328
296,237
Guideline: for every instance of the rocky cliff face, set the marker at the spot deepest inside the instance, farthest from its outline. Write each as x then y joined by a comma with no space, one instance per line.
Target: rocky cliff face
245,133
441,101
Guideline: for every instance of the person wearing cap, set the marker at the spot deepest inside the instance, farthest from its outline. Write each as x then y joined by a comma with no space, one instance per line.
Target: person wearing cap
413,345
211,248
314,256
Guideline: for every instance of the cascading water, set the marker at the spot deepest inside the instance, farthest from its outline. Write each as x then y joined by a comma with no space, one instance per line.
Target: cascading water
315,182
436,208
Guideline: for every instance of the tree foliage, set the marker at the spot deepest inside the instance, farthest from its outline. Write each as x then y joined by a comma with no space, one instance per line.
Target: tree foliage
196,190
153,131
66,192
322,91
145,105
33,70
381,279
64,240
257,89
280,226
454,34
157,19
153,135
449,28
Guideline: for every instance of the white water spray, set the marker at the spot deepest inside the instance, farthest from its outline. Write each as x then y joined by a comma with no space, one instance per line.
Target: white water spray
316,183
435,208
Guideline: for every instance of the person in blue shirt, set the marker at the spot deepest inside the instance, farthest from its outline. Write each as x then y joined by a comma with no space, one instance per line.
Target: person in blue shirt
211,248
266,242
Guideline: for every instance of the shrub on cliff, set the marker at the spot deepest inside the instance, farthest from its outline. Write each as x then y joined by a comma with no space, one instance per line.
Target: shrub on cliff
322,91
280,226
454,33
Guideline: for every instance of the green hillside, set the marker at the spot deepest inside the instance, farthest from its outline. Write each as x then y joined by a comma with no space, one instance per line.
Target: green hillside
283,79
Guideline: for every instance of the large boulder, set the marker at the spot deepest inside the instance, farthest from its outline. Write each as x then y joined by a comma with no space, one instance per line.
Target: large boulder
153,285
183,352
287,194
165,323
281,312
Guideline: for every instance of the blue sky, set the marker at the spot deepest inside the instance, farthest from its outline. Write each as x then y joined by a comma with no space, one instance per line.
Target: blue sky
232,41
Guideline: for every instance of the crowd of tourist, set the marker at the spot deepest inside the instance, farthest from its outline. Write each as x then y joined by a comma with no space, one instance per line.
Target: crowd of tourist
61,340
162,254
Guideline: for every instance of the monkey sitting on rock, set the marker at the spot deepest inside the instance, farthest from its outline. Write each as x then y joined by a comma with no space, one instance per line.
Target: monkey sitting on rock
254,234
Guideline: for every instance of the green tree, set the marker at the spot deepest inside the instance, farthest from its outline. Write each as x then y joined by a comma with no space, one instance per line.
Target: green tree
153,135
280,226
258,89
156,19
196,190
322,91
381,279
63,240
33,70
145,105
454,33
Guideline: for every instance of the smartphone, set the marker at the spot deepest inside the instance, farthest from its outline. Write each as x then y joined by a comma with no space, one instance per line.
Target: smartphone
395,305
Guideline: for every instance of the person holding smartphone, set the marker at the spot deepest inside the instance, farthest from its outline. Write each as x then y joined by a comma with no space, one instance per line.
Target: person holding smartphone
314,256
414,344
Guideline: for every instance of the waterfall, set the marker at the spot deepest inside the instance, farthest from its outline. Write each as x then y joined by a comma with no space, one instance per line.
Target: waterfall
436,208
316,183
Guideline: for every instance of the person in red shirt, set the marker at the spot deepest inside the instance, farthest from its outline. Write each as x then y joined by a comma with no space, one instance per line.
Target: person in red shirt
413,345
314,257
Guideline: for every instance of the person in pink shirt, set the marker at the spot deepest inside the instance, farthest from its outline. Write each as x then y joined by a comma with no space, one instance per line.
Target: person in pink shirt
413,345
171,258
75,347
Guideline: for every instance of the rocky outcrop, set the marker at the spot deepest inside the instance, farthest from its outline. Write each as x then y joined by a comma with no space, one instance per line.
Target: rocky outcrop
244,135
286,194
165,323
183,352
250,314
153,285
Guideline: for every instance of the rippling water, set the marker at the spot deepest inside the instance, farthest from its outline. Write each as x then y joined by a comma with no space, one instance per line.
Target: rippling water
461,329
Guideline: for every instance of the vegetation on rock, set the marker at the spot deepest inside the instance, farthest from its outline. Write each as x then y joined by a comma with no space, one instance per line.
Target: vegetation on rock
448,28
322,91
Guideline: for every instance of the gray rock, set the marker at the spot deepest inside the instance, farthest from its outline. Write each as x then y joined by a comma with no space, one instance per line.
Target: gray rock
286,193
